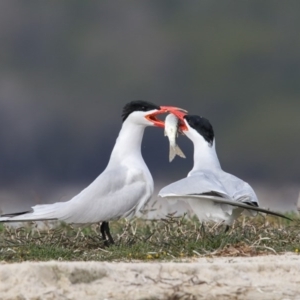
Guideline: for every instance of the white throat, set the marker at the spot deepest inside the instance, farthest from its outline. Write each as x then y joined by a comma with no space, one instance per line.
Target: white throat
205,156
128,143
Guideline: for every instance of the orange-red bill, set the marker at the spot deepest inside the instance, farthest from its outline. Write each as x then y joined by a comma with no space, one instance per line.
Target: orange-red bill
171,109
156,122
178,112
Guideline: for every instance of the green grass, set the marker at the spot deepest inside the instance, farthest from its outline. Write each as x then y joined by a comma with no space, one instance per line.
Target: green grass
169,239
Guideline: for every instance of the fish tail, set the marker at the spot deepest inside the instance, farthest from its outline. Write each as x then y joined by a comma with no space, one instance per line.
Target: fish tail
175,150
172,153
179,151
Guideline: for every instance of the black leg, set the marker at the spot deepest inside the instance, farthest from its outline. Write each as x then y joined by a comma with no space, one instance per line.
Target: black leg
111,240
104,228
227,228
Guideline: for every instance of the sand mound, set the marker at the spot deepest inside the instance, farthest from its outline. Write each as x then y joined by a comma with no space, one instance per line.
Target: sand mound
264,277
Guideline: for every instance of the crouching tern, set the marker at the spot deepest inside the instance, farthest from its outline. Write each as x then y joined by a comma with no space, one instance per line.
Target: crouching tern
123,188
211,193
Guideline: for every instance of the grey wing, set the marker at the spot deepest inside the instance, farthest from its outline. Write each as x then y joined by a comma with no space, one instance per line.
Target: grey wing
221,200
117,193
238,189
113,194
200,183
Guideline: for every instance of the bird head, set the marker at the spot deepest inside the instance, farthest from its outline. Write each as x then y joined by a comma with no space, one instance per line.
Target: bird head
195,127
145,113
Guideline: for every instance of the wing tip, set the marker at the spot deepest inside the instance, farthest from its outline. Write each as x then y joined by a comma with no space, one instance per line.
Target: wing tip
11,215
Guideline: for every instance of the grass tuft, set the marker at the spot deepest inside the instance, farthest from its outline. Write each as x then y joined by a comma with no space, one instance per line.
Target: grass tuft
167,239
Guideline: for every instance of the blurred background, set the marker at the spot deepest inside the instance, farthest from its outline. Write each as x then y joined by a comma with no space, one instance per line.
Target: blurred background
68,68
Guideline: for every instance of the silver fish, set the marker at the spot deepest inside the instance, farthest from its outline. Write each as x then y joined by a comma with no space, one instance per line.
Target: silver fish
171,130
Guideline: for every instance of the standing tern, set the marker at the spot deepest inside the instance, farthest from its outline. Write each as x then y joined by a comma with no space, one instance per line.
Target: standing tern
212,194
123,188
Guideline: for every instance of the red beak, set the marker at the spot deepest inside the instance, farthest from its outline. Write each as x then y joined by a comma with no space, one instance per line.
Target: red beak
179,113
165,109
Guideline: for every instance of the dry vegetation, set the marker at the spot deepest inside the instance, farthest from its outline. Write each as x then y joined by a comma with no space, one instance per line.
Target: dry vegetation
168,239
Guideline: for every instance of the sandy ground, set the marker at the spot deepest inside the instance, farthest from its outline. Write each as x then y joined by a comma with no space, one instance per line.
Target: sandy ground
264,277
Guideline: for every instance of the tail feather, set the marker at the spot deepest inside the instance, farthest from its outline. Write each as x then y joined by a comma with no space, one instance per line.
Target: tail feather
38,213
232,203
16,214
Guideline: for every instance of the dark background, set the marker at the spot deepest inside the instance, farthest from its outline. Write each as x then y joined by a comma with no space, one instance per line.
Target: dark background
68,67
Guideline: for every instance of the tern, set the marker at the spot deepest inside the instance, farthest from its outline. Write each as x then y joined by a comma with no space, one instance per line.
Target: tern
211,193
123,188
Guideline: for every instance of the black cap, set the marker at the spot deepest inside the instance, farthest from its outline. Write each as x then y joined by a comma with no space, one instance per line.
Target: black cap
137,105
202,126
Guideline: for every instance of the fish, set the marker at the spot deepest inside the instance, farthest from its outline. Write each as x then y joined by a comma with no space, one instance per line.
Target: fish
171,131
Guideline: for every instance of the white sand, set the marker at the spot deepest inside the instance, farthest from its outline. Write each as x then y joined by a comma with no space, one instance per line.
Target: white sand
264,277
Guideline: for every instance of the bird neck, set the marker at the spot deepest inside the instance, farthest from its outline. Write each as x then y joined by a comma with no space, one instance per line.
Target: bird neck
128,143
205,156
